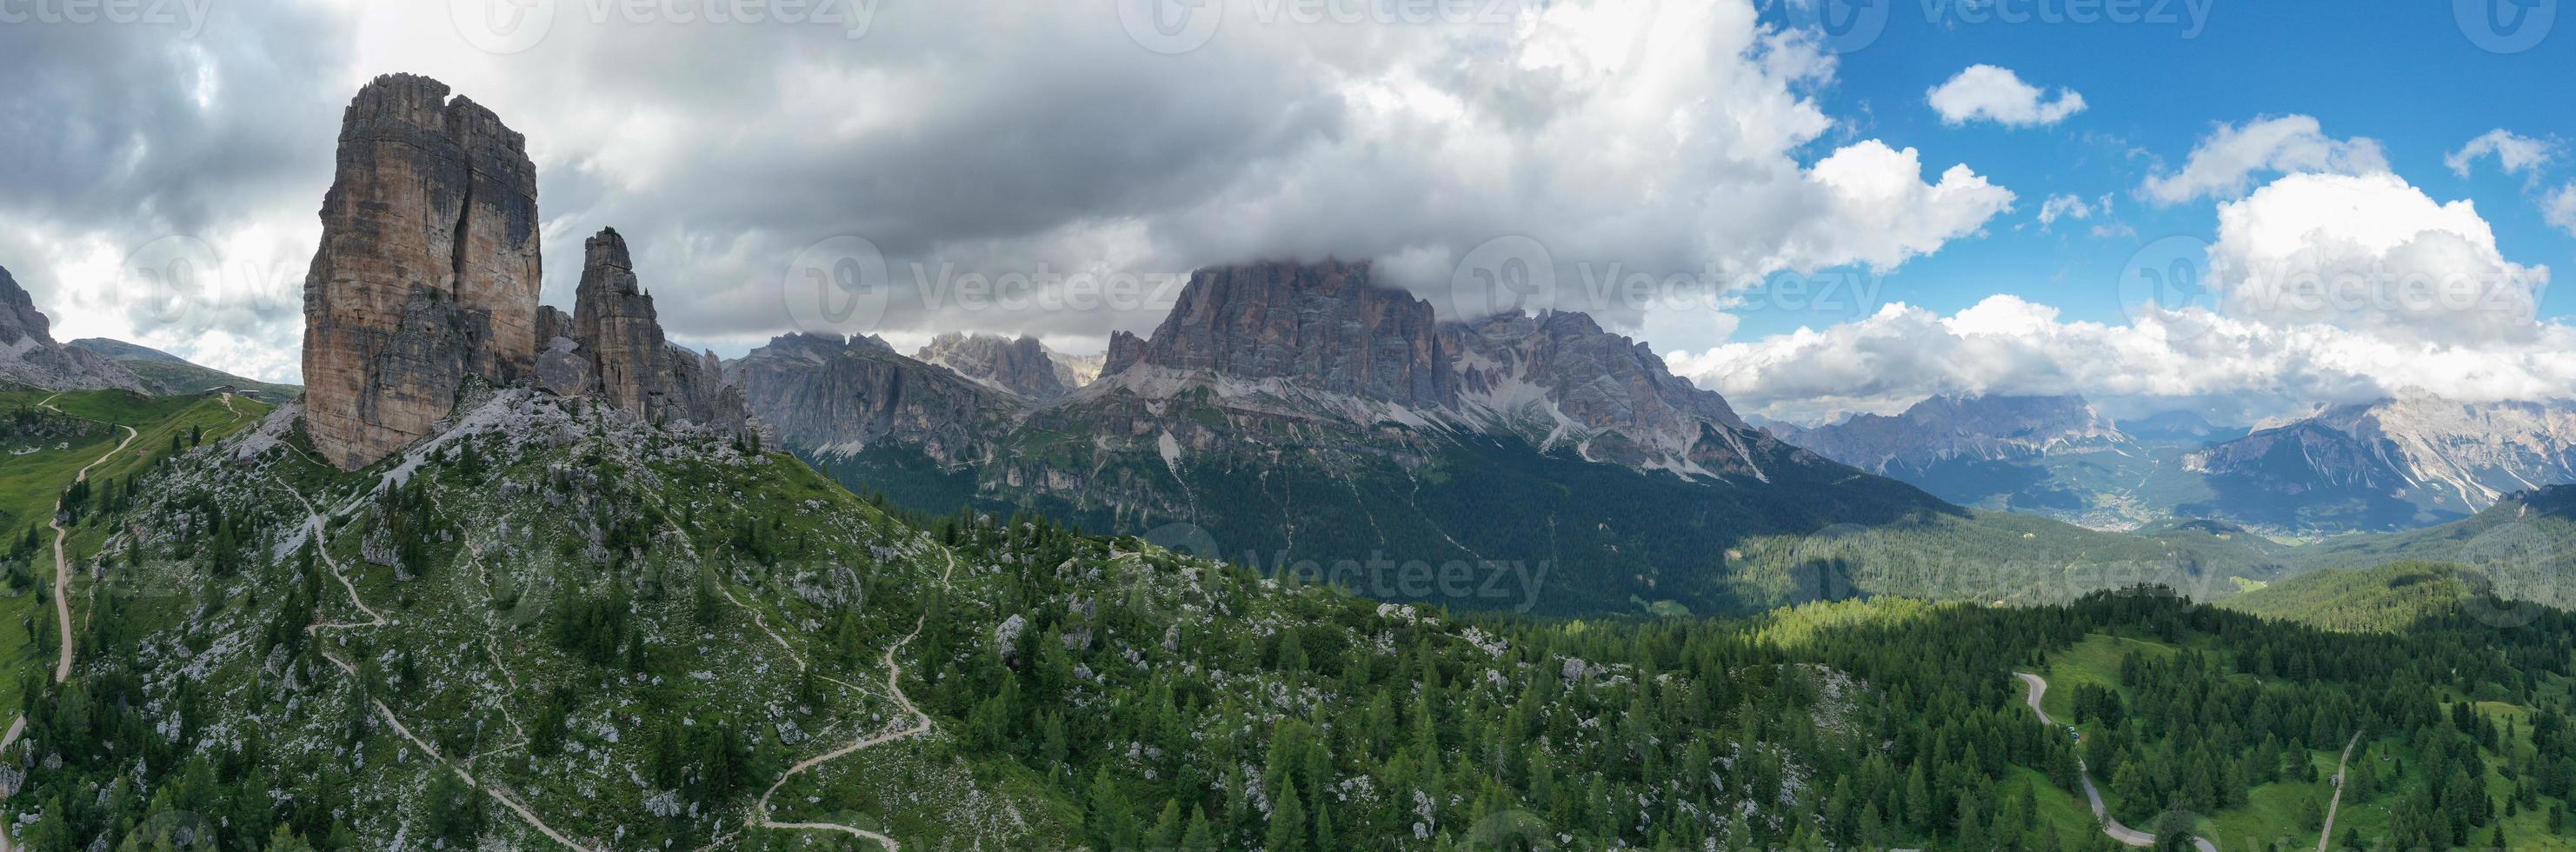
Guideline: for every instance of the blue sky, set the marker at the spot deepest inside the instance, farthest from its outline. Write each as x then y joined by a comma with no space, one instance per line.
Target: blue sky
2401,73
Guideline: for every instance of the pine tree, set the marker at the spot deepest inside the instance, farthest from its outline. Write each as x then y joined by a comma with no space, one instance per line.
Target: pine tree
1287,822
284,839
1199,836
1166,833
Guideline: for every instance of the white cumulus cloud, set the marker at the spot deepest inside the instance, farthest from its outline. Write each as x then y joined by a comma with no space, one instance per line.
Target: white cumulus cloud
1994,93
2071,207
2227,161
2558,208
2514,153
2261,347
2370,252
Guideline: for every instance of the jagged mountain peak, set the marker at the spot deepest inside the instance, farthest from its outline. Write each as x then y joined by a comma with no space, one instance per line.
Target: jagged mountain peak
1020,365
1327,326
2444,456
29,355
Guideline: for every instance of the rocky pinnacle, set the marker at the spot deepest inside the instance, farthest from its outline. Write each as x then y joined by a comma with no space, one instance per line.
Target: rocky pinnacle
428,270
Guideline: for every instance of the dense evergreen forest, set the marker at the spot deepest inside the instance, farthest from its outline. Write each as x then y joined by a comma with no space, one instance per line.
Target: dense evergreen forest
1875,724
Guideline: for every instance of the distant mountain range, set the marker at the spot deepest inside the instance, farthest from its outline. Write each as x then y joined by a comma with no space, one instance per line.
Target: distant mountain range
1288,414
1966,430
2179,426
2399,463
2395,463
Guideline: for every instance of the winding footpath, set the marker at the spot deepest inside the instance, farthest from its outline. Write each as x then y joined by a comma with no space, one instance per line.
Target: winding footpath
2093,795
920,725
2327,833
63,563
62,587
317,525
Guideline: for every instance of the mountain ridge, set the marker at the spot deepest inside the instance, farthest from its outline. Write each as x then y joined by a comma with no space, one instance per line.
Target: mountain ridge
1302,414
29,355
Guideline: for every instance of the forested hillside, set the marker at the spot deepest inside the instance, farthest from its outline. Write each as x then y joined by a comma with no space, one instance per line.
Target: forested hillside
556,627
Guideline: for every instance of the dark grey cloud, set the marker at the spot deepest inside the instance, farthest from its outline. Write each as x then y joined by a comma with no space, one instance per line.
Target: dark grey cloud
976,141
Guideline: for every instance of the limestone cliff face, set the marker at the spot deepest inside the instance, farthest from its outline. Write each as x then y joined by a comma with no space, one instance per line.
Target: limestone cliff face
616,324
839,396
1560,376
613,347
1022,365
1325,325
29,355
428,269
1125,350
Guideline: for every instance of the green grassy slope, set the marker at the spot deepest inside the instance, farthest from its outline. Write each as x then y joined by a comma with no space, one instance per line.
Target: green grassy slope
2384,599
79,436
181,378
2524,548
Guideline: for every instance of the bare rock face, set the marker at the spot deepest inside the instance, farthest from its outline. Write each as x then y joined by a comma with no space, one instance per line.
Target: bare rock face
551,325
839,396
1326,325
1074,371
613,348
616,324
29,355
1022,365
1601,379
428,270
1125,350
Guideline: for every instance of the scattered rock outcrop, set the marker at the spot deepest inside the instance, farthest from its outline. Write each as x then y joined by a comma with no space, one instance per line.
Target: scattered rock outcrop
428,270
1020,365
29,355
